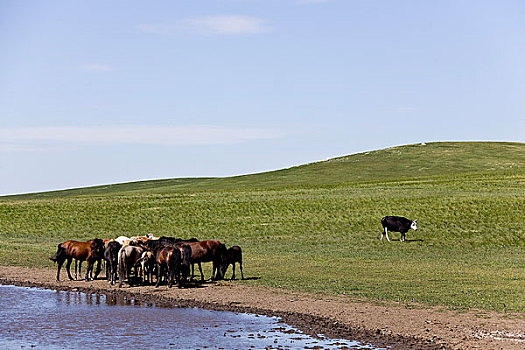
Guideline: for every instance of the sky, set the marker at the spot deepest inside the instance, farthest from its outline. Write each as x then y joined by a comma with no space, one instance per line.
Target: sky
98,92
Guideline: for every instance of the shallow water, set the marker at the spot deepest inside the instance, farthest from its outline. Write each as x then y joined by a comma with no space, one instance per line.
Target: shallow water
46,319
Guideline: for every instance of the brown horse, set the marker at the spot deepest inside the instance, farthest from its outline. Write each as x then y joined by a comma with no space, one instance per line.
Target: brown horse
168,261
206,251
233,255
96,255
147,265
91,251
111,257
185,263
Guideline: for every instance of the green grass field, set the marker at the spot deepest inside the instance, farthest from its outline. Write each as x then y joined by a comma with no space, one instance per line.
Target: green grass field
316,227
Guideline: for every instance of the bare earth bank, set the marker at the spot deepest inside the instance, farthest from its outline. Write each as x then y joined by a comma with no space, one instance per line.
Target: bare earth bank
395,325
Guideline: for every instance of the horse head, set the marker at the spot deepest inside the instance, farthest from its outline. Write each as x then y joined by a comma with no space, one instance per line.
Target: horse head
97,249
222,253
186,261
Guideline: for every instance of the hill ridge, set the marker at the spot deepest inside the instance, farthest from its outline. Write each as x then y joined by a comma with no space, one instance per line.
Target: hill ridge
394,163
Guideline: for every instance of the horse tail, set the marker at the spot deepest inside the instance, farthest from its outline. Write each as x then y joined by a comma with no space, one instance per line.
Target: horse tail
60,251
54,257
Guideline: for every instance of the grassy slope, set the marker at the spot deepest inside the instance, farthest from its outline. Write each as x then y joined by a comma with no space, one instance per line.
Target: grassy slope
316,227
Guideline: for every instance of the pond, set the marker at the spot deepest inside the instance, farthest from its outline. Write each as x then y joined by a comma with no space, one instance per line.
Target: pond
46,319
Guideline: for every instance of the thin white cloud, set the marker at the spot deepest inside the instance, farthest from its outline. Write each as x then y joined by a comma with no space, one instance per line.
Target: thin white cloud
313,1
96,67
30,137
155,28
406,109
25,147
212,25
227,25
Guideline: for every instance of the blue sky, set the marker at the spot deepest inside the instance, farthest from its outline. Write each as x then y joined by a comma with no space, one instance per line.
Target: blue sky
97,92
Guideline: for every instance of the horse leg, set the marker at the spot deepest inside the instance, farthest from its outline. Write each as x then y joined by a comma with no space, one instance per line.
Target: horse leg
200,269
88,270
80,268
171,276
60,263
154,272
122,270
138,272
386,233
131,277
68,267
218,273
159,274
98,269
177,275
233,271
114,270
143,272
240,265
128,272
151,271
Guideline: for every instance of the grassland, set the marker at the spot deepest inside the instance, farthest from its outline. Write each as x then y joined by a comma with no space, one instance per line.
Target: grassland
316,227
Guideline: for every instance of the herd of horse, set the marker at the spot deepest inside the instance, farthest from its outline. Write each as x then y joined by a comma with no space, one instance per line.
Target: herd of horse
168,259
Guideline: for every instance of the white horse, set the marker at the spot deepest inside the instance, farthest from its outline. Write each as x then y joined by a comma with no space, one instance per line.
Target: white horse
123,240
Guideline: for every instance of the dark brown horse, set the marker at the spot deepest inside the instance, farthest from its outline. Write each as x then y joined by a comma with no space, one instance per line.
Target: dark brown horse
233,255
90,251
185,263
148,265
111,257
206,251
155,244
96,255
168,263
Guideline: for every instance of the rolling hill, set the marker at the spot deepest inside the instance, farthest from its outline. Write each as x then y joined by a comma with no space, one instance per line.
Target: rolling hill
315,227
386,165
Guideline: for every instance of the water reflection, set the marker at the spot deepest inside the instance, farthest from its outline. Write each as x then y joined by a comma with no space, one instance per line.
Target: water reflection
46,319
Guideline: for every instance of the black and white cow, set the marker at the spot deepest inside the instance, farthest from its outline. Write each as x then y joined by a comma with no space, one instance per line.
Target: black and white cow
397,224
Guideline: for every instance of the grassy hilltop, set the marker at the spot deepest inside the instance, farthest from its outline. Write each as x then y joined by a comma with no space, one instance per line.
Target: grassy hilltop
316,227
